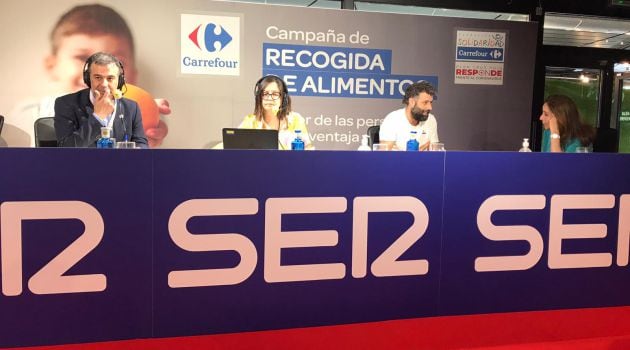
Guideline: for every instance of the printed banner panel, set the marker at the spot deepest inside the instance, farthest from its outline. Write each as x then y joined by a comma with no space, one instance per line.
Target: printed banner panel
541,232
75,245
200,61
317,224
169,243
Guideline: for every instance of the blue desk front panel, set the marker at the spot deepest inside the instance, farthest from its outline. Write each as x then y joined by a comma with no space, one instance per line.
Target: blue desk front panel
168,211
256,304
118,186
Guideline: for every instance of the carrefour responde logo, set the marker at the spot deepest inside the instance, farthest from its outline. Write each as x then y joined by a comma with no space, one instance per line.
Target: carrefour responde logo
210,44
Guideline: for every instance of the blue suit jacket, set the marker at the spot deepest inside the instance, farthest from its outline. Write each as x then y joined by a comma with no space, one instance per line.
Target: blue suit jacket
75,125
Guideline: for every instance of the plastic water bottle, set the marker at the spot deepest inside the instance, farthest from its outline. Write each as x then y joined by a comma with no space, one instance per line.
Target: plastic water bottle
297,144
423,138
365,143
105,141
413,144
525,146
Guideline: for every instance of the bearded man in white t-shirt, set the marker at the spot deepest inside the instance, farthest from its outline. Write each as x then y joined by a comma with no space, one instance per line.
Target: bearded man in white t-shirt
396,128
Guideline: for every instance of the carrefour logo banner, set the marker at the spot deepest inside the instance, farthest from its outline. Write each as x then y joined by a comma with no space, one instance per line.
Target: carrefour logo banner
480,54
210,45
480,57
331,71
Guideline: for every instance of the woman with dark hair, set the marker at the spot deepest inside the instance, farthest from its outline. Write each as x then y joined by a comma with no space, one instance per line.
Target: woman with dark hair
273,111
564,130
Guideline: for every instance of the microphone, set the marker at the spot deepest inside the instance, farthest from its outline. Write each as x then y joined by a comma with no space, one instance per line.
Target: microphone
122,119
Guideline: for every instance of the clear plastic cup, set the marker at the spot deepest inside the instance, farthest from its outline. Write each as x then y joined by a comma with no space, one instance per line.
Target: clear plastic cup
582,150
436,146
126,144
379,147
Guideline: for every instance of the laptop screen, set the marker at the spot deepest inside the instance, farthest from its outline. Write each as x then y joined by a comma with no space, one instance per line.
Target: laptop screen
250,138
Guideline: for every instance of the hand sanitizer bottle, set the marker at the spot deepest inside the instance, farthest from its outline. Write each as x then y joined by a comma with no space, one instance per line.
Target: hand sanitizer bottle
525,146
364,143
105,141
413,144
298,143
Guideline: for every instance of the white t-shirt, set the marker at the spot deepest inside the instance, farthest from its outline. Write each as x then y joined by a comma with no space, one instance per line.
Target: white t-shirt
396,127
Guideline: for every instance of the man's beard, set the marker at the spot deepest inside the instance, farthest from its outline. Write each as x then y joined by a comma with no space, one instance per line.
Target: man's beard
419,115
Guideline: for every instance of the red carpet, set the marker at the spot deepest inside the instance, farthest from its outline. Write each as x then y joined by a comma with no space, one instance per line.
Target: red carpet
579,329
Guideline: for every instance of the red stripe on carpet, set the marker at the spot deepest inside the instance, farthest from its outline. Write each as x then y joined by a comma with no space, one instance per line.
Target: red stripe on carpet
599,328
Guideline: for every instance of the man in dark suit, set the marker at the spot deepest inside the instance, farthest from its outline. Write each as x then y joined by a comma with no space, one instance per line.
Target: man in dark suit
79,116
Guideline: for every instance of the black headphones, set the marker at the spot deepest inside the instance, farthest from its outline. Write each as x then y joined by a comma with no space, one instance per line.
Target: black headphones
258,89
91,59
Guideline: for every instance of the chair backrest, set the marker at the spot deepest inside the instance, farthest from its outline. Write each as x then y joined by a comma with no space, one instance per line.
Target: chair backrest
606,140
45,132
1,123
372,132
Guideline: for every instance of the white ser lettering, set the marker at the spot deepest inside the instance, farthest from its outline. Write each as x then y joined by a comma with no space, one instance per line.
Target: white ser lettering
276,239
558,232
50,279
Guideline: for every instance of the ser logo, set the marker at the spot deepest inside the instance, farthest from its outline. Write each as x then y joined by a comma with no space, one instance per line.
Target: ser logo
212,40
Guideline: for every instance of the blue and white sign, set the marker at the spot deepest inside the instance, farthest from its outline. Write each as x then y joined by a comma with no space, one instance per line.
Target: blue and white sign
331,71
479,54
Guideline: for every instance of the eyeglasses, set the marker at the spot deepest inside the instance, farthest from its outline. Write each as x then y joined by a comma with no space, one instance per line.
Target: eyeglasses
270,95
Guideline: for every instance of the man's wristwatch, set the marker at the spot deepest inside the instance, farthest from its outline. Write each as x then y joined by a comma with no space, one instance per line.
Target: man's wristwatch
555,136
